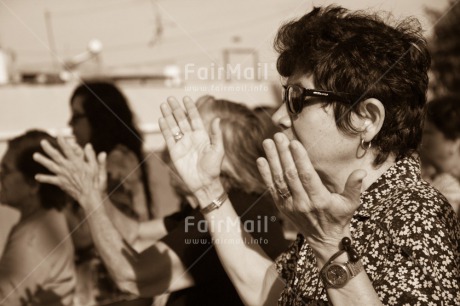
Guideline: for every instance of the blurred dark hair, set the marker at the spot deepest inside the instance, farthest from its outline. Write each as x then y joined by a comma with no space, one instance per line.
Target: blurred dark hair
444,113
358,53
243,134
265,114
24,147
112,123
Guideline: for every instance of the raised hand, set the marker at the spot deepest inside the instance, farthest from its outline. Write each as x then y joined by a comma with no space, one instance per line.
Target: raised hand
321,216
197,156
78,172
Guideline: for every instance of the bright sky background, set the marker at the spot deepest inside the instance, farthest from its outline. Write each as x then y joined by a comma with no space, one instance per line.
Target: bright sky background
193,31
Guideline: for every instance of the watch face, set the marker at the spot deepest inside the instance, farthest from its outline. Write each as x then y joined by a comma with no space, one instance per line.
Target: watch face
336,275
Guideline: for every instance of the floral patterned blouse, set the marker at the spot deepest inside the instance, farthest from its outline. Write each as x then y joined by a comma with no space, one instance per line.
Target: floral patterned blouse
409,240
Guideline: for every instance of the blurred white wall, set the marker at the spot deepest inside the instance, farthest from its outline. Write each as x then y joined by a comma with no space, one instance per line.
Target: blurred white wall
144,37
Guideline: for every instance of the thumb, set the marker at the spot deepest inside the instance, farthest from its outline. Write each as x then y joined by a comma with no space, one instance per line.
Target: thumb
216,137
353,186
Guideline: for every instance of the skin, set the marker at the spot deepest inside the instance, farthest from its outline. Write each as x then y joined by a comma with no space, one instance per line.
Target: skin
81,127
323,196
321,204
153,271
16,191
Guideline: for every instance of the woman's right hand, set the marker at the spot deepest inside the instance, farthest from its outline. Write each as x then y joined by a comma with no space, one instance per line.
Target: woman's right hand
197,156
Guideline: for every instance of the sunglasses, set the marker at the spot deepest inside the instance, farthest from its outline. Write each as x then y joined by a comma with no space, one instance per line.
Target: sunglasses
295,97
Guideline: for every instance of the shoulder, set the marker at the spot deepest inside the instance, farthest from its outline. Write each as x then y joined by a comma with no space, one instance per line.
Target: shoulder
420,199
120,152
46,231
418,212
121,159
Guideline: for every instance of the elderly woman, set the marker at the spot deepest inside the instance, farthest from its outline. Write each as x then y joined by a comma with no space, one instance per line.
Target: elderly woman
372,231
183,262
37,267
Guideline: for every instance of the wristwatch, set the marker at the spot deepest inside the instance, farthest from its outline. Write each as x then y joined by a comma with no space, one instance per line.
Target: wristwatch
336,274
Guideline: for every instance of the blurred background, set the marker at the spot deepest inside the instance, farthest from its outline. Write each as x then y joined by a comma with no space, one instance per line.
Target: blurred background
152,49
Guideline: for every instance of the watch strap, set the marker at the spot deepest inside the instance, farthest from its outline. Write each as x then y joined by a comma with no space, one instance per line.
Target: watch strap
354,267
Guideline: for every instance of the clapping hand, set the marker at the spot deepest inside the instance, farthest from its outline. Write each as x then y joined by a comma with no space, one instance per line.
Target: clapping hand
323,217
197,156
76,171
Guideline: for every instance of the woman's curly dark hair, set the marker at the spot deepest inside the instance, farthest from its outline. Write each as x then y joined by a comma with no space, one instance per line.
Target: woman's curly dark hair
359,54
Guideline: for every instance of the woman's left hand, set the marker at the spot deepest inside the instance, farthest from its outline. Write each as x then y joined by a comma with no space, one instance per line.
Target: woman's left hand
78,172
321,216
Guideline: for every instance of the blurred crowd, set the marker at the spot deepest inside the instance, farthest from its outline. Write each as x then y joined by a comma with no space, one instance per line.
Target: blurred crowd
67,246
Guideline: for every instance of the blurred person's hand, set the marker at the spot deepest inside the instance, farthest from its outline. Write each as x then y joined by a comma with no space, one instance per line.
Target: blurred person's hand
78,172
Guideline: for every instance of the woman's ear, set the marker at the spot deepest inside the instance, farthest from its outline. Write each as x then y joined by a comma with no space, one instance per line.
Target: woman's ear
34,186
372,116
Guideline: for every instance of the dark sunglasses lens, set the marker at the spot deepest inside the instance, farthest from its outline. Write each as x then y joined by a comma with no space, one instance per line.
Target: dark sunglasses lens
295,98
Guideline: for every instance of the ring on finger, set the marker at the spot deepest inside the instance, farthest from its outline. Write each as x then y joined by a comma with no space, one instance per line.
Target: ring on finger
178,136
284,193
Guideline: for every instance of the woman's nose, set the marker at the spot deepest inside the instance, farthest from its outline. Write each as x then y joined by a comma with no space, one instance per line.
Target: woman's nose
281,117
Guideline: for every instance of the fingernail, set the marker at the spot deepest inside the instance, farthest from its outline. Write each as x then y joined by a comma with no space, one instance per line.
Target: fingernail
268,144
260,162
279,138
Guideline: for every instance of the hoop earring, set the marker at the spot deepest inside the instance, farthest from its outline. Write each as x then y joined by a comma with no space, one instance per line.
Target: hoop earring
364,146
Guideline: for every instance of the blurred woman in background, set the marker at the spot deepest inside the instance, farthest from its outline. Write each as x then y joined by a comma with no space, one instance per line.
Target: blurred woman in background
37,266
184,262
440,149
101,116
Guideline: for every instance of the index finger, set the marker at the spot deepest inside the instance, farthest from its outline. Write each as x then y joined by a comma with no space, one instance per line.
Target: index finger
307,173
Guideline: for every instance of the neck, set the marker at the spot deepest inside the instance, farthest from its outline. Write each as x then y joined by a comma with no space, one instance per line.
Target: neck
375,172
30,208
336,183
